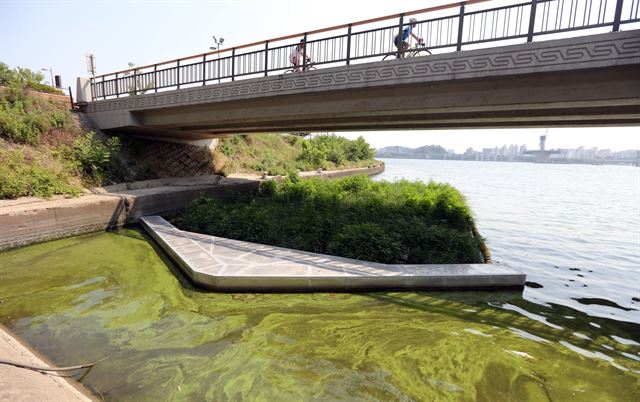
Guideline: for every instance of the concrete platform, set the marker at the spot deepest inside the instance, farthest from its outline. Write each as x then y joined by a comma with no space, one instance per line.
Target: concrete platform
223,264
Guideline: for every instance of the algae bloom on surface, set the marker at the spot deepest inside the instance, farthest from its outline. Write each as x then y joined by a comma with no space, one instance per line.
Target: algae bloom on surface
354,217
114,294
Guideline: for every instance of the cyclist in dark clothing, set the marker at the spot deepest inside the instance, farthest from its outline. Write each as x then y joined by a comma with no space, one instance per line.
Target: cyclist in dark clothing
408,30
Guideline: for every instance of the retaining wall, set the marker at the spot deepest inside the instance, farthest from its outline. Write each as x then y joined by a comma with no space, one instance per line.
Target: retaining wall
29,221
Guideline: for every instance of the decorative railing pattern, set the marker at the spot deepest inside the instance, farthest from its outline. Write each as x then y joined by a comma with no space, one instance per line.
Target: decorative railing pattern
352,44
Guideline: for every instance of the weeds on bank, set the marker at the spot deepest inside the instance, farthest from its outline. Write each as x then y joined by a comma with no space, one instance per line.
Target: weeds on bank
356,217
29,172
42,152
284,154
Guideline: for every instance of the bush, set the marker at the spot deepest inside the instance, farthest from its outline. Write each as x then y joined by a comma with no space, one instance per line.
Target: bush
20,123
93,156
366,241
324,150
25,78
282,154
354,217
20,177
24,118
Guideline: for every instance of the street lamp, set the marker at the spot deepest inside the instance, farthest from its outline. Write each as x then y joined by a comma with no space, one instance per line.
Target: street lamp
218,42
50,70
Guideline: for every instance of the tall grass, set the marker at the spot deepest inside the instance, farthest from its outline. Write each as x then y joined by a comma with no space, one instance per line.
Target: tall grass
30,172
355,217
283,154
43,151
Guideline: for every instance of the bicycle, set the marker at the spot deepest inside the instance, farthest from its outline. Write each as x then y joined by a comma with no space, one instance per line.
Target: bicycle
419,49
306,67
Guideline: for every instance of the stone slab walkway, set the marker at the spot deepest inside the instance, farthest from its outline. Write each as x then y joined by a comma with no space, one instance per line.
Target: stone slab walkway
222,264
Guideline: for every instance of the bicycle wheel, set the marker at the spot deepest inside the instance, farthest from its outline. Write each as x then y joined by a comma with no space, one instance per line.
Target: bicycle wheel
389,57
421,52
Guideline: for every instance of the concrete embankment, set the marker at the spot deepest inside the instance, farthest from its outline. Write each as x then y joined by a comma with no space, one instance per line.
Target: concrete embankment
20,384
31,220
229,265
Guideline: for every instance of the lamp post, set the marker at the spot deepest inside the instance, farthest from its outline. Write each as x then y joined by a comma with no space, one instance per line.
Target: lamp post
218,42
50,70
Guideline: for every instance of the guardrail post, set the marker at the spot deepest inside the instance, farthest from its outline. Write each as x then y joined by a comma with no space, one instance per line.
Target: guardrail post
71,98
117,92
155,77
460,27
304,53
266,58
233,64
617,16
400,25
104,94
135,82
178,74
349,45
204,69
532,20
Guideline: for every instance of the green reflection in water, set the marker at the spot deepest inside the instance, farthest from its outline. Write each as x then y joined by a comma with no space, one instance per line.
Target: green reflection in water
84,298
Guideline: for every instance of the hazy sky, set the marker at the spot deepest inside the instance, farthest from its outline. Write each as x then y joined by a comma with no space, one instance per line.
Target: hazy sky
41,34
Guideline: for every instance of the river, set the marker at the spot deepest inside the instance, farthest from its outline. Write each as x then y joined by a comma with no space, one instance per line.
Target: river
572,334
573,229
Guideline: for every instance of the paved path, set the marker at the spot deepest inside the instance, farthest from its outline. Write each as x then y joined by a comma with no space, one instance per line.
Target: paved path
232,265
18,384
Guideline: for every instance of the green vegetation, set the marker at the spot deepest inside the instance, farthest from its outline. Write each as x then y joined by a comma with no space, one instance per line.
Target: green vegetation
25,118
43,150
284,154
356,217
24,78
25,171
94,158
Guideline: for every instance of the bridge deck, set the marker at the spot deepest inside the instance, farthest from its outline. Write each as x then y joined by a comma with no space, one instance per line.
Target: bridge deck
230,265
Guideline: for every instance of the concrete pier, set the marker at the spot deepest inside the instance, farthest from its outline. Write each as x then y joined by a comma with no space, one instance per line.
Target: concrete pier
223,264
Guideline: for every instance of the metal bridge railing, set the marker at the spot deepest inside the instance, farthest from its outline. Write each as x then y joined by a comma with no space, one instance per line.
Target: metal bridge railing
445,27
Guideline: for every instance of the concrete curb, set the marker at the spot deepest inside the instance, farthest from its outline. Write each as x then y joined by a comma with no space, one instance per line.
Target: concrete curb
22,224
29,221
228,265
28,385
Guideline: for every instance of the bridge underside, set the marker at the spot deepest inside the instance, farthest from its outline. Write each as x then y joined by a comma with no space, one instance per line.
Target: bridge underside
594,88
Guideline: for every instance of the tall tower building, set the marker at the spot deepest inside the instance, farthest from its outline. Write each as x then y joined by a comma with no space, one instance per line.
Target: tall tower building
543,139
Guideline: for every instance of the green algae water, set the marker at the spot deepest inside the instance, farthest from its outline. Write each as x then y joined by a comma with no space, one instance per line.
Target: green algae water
114,294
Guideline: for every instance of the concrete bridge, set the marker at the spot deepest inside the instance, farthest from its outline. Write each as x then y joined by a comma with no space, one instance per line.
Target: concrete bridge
591,80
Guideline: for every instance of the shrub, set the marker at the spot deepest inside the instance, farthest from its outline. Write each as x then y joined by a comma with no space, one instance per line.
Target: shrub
93,156
20,123
314,155
20,177
317,151
59,118
355,217
24,118
229,145
366,241
24,78
281,154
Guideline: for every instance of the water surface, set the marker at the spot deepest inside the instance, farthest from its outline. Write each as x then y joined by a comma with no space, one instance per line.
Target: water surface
114,294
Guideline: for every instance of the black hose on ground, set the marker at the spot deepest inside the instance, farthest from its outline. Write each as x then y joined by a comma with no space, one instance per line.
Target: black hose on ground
44,368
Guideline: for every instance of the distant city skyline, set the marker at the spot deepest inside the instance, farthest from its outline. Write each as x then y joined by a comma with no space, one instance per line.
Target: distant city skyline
515,153
613,138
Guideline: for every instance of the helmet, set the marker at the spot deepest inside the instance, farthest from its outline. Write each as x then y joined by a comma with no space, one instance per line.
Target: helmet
413,21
